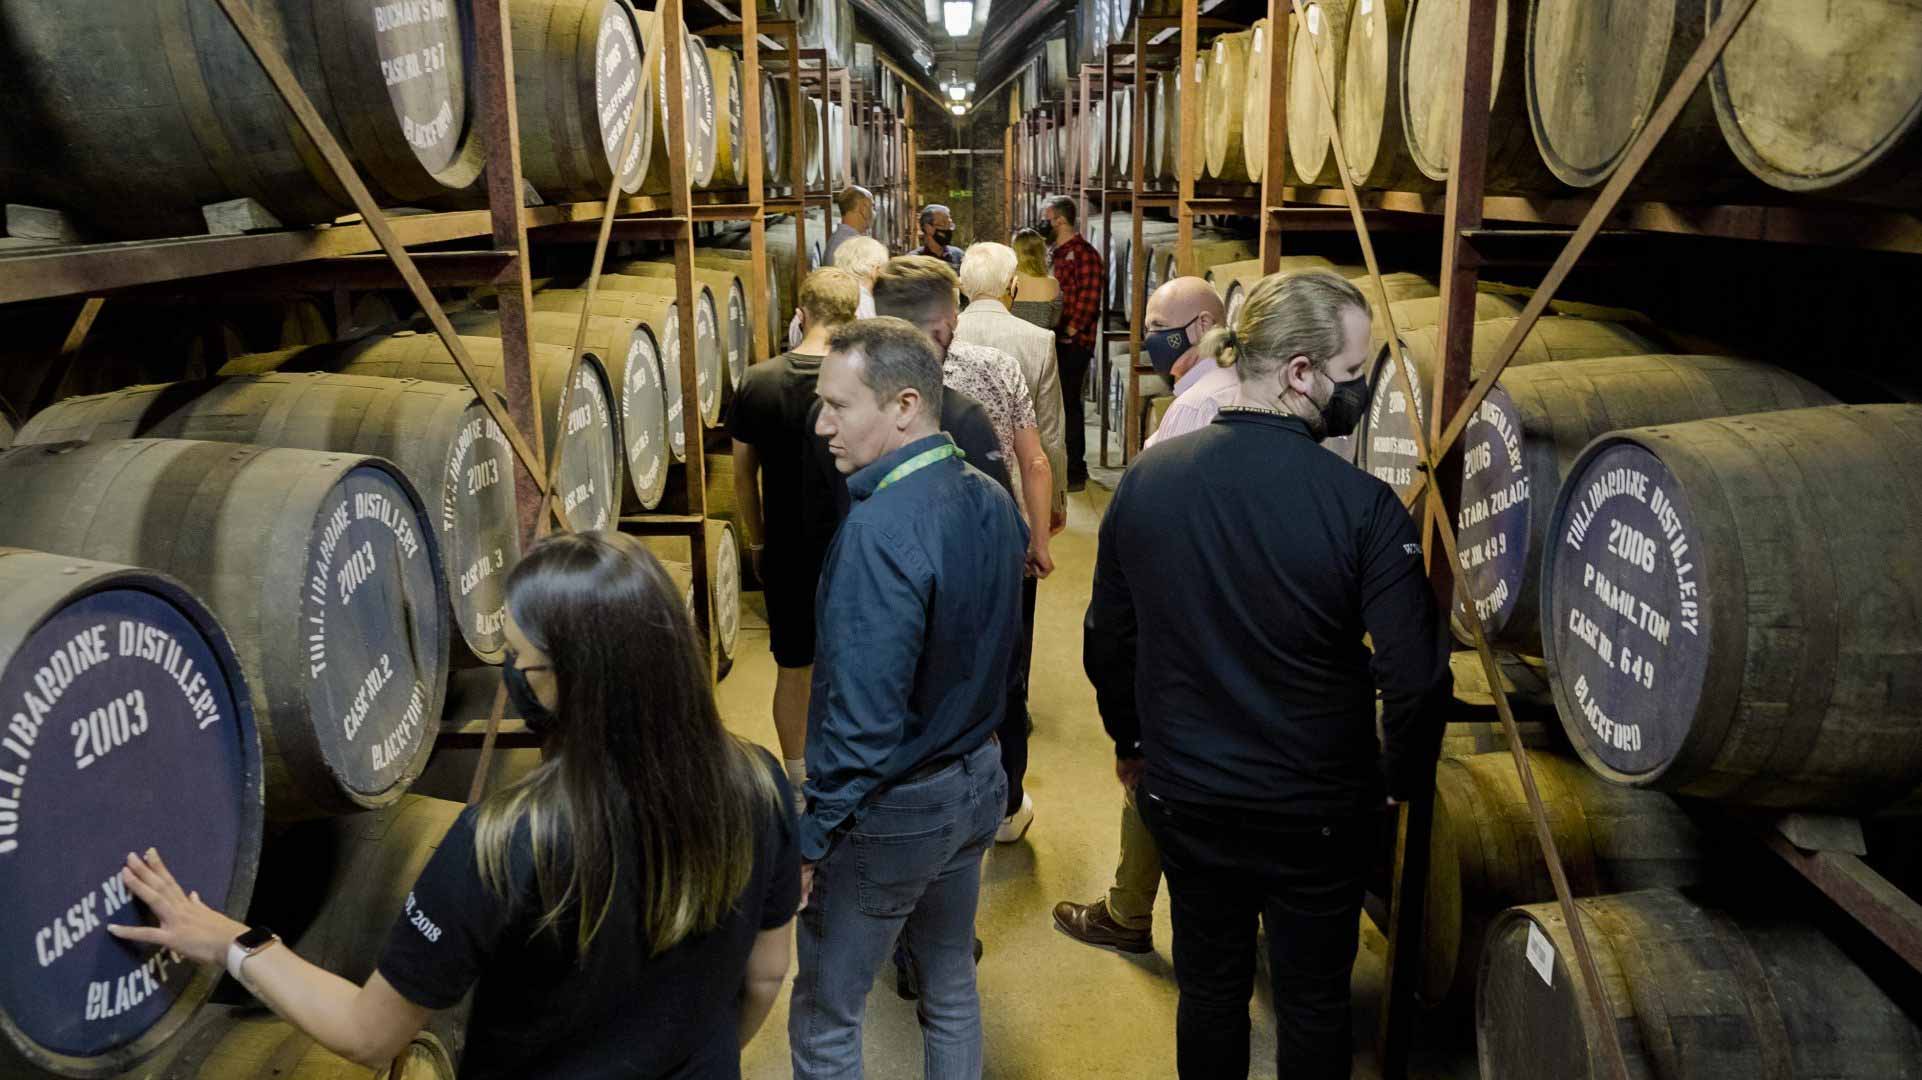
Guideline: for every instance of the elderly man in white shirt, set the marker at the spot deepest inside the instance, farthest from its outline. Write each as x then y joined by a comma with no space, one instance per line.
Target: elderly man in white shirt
987,280
862,256
1180,314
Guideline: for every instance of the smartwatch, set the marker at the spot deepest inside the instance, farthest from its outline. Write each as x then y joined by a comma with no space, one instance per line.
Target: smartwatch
257,939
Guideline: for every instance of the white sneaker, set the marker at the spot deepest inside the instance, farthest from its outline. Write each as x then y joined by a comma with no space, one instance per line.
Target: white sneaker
1015,825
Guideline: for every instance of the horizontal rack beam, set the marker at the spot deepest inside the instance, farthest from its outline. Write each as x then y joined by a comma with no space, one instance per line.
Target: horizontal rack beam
94,269
1860,227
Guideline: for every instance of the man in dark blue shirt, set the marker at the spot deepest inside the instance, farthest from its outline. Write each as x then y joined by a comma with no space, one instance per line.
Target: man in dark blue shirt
917,617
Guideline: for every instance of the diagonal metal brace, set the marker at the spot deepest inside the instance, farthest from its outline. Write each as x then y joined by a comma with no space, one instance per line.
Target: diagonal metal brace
282,76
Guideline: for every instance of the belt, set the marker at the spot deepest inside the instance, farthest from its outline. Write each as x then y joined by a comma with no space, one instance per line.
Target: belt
939,762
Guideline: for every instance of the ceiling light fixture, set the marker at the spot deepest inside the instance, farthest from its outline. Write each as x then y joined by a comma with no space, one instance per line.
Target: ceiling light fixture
957,92
959,110
958,17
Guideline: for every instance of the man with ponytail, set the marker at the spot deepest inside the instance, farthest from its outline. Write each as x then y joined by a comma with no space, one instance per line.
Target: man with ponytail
1239,569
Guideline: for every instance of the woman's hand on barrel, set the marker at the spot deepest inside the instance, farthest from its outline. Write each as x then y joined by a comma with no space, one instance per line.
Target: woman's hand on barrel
187,925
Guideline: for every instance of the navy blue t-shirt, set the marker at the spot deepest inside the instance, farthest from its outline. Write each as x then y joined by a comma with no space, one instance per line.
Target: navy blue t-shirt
620,1011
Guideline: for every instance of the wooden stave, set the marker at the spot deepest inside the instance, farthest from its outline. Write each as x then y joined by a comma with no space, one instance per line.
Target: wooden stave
1371,82
730,166
1309,136
708,347
557,47
1563,406
193,157
410,354
1254,119
38,586
619,344
1485,856
410,423
1560,337
266,500
660,315
1222,125
1513,165
1889,176
1693,161
1720,979
1728,752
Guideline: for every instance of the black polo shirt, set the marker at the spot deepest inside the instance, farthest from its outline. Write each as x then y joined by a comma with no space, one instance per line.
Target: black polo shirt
624,1010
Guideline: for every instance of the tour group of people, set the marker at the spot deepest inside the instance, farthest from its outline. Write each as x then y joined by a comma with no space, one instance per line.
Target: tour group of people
1264,649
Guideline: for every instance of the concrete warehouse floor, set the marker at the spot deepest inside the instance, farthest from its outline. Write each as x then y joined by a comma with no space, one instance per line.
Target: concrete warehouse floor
1051,1007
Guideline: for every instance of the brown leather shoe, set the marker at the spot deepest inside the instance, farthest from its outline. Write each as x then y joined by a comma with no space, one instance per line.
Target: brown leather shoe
1091,924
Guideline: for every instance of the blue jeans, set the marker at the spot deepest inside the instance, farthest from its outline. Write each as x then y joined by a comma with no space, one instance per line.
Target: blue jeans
912,866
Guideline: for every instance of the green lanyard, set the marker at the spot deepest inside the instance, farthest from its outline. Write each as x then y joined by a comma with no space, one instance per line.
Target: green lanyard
918,462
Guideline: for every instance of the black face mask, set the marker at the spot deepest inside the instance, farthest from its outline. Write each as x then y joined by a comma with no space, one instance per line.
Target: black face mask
944,237
1346,404
1164,347
538,718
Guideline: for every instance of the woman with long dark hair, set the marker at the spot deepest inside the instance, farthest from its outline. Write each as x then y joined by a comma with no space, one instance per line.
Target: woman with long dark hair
623,910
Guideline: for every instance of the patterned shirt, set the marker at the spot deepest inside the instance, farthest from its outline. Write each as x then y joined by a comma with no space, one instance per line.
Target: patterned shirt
994,378
1077,267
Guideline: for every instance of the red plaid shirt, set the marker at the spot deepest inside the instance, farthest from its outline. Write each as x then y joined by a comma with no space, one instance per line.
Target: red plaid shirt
1077,268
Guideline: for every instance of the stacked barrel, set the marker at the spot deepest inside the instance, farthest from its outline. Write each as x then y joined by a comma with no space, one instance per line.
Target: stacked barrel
239,581
1705,553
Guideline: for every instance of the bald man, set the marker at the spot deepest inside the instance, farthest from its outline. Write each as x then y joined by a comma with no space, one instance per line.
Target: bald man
1180,314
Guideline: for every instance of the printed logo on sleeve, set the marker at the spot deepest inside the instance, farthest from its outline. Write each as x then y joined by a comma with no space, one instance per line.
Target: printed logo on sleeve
1412,549
418,920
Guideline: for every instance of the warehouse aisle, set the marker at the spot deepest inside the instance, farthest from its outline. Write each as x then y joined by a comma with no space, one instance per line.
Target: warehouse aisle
1051,1008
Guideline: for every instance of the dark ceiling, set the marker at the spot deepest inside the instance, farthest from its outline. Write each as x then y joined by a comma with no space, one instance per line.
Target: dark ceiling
1013,32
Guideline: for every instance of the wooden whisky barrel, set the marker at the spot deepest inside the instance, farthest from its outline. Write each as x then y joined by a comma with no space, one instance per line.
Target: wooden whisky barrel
229,1041
736,339
730,162
1420,313
710,342
1819,99
583,423
722,506
577,87
1370,100
777,131
629,354
1720,992
1318,41
697,96
1484,855
1254,120
1227,102
135,146
1164,137
1597,70
660,312
133,673
334,889
1388,445
440,436
1234,280
322,567
724,576
1731,609
1431,77
1519,444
